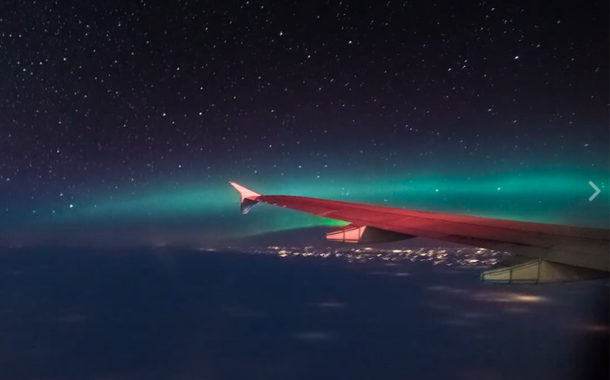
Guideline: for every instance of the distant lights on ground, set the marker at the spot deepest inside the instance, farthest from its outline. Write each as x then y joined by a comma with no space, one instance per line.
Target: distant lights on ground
508,297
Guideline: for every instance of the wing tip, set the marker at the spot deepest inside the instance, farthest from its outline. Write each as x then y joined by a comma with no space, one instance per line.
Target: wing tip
247,196
244,191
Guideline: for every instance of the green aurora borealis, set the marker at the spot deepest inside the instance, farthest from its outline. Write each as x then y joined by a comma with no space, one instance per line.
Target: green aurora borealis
205,212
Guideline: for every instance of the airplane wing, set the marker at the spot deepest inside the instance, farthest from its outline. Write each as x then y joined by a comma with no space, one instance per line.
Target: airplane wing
558,250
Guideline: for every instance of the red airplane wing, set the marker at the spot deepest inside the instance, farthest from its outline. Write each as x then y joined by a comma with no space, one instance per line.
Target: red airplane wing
575,246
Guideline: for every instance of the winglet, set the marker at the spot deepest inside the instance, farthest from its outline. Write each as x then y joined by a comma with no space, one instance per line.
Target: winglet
247,197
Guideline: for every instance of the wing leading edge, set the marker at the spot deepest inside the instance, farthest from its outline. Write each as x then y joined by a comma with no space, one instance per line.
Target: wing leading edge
573,246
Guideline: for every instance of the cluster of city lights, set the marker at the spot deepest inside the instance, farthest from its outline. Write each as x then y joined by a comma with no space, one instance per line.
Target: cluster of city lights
449,256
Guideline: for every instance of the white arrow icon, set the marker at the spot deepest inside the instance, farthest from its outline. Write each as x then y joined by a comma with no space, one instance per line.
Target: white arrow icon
596,193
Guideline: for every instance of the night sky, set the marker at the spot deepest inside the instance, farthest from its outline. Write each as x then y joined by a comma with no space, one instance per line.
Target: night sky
122,121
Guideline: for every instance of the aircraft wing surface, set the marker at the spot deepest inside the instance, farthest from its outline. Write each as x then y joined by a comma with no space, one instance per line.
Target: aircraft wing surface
574,246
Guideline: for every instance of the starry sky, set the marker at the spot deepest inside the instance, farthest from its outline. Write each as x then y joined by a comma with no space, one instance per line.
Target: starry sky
123,121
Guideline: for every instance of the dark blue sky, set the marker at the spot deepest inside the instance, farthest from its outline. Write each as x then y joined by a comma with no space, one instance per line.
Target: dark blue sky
116,100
